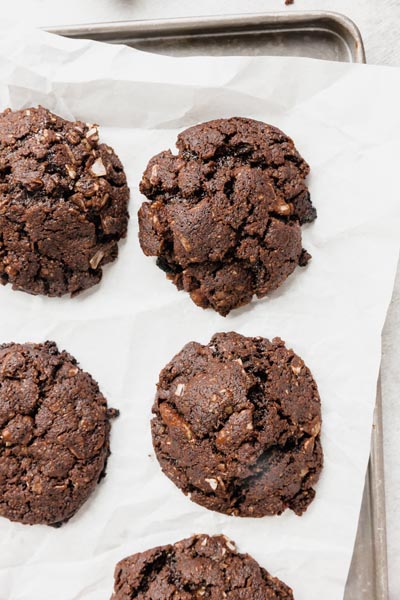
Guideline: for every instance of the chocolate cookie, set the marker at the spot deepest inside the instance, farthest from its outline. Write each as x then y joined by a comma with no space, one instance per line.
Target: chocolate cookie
225,213
63,203
203,567
237,426
54,434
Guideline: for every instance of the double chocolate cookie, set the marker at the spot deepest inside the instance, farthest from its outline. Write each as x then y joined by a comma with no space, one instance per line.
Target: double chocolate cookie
63,203
203,567
224,215
237,424
54,434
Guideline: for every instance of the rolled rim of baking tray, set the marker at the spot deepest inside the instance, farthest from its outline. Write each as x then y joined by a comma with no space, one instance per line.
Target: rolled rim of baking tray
333,22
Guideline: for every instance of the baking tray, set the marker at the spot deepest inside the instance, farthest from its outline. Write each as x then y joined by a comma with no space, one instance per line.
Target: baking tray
329,36
316,34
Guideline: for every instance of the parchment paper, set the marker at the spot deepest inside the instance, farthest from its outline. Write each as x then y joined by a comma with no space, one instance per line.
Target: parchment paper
346,123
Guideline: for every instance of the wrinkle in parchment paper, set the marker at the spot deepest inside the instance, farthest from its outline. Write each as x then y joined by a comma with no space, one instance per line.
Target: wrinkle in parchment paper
345,122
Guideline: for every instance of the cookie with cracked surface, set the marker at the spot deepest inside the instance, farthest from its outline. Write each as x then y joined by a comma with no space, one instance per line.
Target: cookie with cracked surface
63,203
237,424
203,567
224,215
54,434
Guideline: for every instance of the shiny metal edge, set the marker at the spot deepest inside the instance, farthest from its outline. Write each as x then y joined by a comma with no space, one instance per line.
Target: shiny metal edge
368,573
378,505
318,20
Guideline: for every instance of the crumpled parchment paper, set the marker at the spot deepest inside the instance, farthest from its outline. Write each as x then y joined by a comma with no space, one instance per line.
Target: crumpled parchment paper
346,123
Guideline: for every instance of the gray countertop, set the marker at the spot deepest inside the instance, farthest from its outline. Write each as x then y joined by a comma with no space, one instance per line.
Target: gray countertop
379,22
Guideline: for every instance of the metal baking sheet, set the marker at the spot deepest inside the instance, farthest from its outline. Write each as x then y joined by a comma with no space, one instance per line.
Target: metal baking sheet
368,576
324,35
314,34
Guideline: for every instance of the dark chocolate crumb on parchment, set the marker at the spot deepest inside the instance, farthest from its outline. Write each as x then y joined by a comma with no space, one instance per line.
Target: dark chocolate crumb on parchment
63,203
54,434
237,424
224,215
203,567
